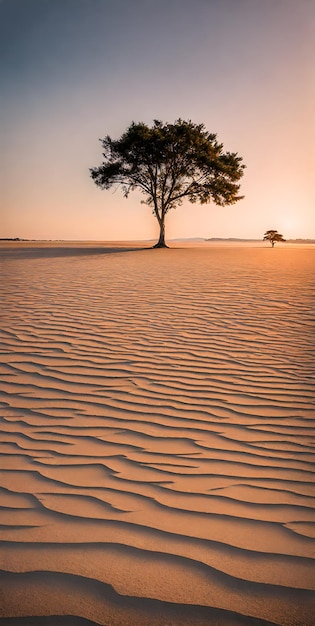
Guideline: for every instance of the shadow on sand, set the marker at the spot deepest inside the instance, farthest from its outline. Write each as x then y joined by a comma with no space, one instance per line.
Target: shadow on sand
38,252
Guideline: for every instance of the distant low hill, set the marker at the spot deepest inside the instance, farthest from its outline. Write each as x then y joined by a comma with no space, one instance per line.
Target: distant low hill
239,239
300,240
229,239
13,239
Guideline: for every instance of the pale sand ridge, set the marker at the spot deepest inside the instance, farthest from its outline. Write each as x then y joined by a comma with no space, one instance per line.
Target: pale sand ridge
157,435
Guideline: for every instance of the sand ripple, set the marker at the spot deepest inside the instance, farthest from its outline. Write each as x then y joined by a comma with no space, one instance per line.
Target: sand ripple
157,436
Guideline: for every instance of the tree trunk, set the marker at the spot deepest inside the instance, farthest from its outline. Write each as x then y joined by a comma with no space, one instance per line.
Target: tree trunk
273,244
161,242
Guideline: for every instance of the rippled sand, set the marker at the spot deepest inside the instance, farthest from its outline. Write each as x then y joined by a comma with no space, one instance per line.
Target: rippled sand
157,435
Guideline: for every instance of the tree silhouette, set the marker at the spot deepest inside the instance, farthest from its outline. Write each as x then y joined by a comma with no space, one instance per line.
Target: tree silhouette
167,163
273,236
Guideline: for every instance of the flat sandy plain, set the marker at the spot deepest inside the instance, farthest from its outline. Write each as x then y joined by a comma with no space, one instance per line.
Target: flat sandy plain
157,435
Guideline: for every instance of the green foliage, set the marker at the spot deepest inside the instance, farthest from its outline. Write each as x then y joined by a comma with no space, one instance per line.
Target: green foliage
170,162
273,236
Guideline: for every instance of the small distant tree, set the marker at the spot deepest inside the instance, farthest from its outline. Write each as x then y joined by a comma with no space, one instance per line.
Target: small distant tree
167,163
273,236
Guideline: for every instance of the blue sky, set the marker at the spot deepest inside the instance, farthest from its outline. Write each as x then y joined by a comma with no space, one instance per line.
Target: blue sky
73,71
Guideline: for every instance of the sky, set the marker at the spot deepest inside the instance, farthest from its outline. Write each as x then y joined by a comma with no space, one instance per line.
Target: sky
73,71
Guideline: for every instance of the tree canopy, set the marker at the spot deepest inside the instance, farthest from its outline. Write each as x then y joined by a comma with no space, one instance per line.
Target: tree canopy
273,236
167,163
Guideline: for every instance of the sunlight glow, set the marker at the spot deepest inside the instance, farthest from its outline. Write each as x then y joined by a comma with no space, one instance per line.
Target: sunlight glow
291,225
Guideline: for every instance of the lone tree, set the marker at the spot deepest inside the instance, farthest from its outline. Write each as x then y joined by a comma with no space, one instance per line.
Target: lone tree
273,236
170,162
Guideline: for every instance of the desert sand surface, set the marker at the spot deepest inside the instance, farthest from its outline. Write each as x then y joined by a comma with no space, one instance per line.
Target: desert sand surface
157,434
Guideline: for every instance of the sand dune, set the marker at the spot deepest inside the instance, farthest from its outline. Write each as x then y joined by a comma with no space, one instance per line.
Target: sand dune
157,435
